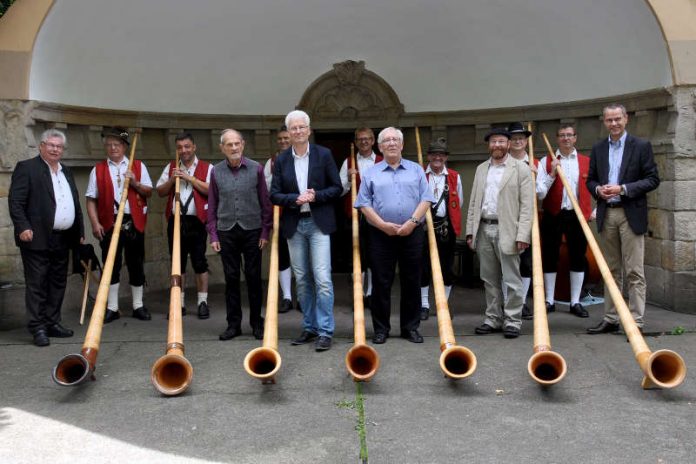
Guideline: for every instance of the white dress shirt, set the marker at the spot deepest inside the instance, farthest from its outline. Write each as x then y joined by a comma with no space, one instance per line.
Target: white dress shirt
571,169
489,208
364,163
185,188
65,206
301,174
118,177
437,183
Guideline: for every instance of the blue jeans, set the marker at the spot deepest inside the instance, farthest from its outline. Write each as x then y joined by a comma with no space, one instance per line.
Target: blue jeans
310,258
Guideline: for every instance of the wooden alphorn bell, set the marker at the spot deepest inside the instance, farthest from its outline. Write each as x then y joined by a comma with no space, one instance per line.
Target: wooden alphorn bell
73,369
362,360
457,362
545,366
264,362
662,368
172,373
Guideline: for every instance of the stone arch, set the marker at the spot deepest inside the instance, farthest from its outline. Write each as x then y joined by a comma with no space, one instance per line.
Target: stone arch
351,92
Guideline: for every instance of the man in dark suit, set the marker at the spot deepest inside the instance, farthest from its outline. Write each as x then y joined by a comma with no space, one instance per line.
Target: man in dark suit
622,171
45,211
305,183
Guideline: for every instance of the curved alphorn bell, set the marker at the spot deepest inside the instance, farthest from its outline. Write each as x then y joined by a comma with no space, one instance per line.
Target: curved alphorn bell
662,368
545,366
362,360
457,362
172,373
73,369
264,362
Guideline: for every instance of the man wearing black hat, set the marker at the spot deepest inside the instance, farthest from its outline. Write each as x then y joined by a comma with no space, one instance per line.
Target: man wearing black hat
446,186
519,139
45,211
498,227
106,182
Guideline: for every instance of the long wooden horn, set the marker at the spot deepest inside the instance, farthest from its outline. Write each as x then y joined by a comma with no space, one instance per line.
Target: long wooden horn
457,362
73,369
264,362
545,366
362,360
662,368
172,373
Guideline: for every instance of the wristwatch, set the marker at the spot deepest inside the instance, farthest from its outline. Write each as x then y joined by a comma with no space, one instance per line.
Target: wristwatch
413,219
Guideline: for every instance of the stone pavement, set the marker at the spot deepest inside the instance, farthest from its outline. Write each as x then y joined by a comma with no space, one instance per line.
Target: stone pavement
412,414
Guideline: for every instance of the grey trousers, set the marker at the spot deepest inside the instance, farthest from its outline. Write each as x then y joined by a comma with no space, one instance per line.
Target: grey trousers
493,264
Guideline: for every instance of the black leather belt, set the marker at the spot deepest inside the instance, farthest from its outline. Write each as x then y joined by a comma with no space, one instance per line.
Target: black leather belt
489,221
615,204
305,215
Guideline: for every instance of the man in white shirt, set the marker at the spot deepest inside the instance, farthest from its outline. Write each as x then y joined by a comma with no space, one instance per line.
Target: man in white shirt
366,159
194,175
106,182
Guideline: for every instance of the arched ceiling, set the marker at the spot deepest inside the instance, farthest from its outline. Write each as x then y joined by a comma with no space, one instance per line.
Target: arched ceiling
258,57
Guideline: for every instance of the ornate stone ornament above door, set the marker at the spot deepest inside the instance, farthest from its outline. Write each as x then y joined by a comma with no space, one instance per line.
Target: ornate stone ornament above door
349,92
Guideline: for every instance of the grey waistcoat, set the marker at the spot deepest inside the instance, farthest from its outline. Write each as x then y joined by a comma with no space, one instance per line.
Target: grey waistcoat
238,201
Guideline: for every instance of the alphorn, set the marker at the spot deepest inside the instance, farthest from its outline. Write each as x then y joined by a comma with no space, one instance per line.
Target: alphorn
662,368
88,269
73,369
362,360
264,362
545,366
172,373
457,362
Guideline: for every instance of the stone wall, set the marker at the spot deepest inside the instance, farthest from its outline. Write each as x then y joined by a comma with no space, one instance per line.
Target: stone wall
666,117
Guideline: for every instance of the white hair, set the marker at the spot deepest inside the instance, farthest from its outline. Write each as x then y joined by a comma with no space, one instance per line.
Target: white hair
399,134
297,114
227,131
50,133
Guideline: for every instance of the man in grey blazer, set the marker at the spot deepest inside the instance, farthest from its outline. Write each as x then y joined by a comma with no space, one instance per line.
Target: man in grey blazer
498,228
622,171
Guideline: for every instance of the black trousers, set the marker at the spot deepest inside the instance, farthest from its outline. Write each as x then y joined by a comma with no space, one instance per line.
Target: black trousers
193,242
45,276
235,244
552,230
283,252
364,240
526,263
445,250
388,251
134,250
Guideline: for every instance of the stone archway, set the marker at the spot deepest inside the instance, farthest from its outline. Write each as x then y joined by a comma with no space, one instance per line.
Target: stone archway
349,92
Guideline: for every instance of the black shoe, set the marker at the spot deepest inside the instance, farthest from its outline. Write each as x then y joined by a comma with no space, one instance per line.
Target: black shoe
603,327
379,338
203,310
511,332
485,329
304,338
285,306
111,316
58,331
550,307
230,333
578,310
322,344
425,314
527,313
412,336
41,338
142,313
257,331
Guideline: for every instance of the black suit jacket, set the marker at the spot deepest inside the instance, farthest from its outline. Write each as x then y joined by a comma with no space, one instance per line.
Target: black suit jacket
638,173
322,177
33,204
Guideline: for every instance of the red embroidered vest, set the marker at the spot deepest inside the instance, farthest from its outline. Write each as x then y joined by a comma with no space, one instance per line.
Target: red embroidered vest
552,202
105,200
200,200
454,209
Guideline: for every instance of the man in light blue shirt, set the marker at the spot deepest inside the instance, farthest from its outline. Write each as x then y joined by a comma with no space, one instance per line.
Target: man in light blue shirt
394,197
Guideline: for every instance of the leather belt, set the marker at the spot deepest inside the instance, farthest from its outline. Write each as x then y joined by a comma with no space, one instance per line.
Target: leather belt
615,204
489,221
305,215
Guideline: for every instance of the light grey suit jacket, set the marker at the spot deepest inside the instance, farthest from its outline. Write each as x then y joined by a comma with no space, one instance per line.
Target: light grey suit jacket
514,204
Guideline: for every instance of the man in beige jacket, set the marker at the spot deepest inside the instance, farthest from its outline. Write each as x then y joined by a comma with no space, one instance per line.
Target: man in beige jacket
498,228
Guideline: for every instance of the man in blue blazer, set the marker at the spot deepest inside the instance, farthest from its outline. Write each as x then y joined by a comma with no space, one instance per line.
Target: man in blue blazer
305,184
45,210
622,171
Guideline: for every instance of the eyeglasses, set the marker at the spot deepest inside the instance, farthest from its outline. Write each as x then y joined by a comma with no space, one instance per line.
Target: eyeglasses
298,128
390,140
52,146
